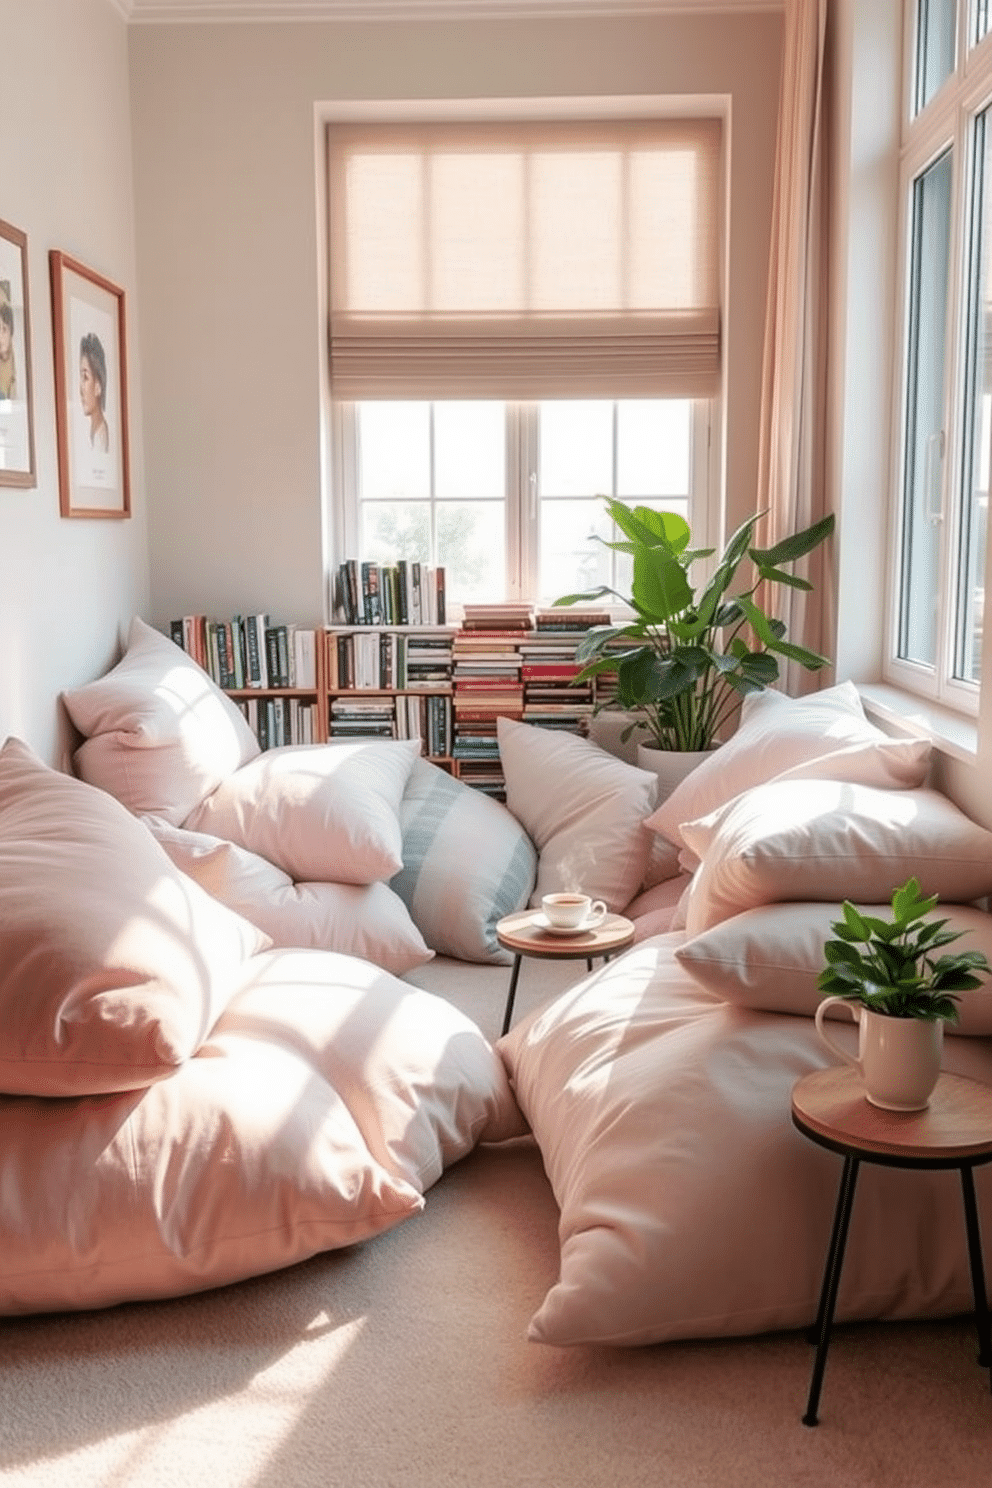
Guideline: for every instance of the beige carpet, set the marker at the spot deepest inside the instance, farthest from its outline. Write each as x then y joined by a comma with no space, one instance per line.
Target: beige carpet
403,1364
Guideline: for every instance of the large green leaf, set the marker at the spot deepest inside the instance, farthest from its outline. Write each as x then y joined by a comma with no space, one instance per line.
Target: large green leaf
795,546
779,576
660,587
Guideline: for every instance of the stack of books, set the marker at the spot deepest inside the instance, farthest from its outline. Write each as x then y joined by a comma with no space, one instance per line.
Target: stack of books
486,675
552,698
510,616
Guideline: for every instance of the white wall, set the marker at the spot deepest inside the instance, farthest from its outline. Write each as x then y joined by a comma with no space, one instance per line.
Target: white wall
224,142
66,586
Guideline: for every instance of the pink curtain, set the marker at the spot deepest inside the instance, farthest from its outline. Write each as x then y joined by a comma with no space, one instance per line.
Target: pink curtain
791,483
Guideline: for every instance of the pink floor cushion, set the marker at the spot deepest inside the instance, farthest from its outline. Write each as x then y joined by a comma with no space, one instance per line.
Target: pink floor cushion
326,1100
366,920
690,1205
160,734
114,965
320,812
831,840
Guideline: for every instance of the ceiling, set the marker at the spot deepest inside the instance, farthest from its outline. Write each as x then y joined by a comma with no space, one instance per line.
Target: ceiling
149,11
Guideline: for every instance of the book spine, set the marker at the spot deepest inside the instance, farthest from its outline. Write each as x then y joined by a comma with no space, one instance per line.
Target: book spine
176,633
403,587
416,613
272,656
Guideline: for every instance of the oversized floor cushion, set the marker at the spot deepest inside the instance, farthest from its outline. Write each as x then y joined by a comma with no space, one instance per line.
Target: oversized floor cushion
467,862
326,1099
690,1205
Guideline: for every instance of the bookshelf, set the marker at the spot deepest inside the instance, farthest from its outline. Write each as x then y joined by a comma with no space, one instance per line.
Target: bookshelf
274,672
391,682
446,684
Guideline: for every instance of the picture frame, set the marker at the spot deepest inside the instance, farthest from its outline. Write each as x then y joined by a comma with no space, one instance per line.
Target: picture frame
17,466
91,395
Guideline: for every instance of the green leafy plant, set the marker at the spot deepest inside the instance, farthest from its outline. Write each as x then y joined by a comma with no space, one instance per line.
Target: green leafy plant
896,972
683,661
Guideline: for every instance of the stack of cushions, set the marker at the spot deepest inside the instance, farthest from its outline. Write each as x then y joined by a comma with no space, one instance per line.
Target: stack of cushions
349,847
822,737
181,1106
658,1089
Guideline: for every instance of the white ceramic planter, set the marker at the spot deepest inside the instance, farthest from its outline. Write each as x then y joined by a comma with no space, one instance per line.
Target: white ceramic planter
898,1058
670,765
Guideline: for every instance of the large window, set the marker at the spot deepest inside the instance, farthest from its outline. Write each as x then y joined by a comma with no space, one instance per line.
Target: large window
524,318
508,496
943,451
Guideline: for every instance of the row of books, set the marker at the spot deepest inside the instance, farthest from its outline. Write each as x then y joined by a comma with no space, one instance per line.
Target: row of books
391,659
249,651
281,720
403,593
423,716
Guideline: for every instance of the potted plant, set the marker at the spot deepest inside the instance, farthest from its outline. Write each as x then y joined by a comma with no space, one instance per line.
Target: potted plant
900,992
689,654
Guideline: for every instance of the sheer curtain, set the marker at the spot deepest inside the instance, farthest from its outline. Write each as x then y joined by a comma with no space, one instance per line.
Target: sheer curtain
791,482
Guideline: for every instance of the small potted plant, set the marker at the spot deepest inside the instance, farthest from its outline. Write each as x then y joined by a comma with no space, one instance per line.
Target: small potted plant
691,652
900,992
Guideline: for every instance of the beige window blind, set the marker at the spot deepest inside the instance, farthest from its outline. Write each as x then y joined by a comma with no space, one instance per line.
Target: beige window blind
525,260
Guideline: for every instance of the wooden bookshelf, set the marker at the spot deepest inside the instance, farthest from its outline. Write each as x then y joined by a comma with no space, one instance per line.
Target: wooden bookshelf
445,684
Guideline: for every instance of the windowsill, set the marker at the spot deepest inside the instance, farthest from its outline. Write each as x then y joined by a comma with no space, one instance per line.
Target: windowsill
951,733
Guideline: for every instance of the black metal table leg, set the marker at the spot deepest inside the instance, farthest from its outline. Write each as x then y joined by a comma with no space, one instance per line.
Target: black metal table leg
511,994
977,1269
831,1281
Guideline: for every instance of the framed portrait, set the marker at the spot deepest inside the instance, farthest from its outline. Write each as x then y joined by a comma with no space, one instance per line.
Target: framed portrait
16,406
90,391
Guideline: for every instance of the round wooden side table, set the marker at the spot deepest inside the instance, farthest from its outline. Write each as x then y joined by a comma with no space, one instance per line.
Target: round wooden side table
954,1131
524,935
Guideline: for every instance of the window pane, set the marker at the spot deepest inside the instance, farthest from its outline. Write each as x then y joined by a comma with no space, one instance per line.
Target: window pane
981,26
469,450
920,538
394,451
471,545
978,406
392,530
571,559
653,448
935,37
576,442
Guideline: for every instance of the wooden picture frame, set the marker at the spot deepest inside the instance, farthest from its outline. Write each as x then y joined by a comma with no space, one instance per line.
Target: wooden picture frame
88,325
16,398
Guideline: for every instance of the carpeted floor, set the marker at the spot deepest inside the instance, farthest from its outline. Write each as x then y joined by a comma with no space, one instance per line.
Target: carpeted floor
403,1364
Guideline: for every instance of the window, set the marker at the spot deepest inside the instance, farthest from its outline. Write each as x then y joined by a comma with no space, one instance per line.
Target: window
943,451
524,317
507,496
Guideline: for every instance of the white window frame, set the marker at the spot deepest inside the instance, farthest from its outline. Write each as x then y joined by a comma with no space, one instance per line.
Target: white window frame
522,496
946,122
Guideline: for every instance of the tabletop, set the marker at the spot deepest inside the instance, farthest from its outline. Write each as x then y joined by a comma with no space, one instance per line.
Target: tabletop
830,1104
524,933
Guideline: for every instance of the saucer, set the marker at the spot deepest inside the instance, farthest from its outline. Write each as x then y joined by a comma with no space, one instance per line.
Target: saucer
543,923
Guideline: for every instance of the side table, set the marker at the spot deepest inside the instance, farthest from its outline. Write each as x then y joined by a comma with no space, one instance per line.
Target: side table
954,1131
522,934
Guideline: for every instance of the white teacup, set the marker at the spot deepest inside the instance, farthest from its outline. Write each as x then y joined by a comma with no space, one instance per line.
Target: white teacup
567,911
898,1058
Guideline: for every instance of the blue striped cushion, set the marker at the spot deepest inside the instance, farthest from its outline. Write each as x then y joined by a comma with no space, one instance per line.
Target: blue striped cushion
467,862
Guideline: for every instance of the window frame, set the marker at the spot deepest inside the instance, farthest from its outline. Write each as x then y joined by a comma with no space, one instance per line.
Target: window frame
522,496
946,122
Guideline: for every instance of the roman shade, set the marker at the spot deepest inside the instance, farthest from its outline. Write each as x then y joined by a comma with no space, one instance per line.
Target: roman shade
525,260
